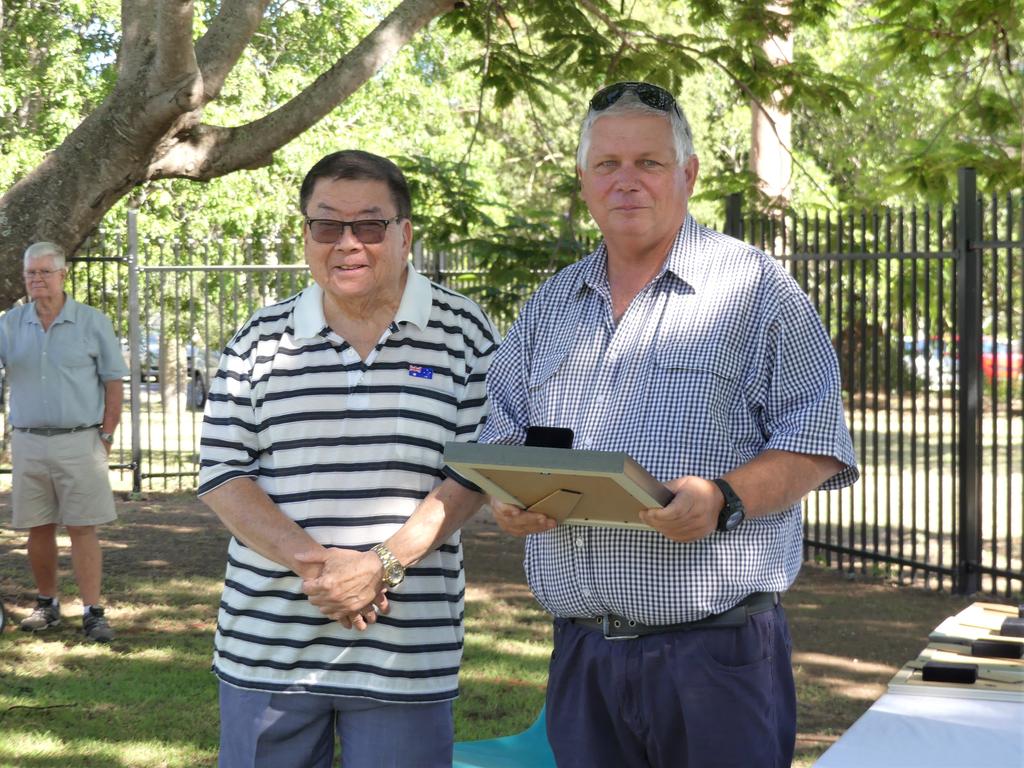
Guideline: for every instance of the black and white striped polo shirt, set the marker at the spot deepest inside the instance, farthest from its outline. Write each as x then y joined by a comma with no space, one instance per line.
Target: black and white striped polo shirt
347,448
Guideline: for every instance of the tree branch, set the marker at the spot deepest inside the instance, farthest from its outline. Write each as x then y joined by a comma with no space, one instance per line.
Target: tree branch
626,42
738,82
38,708
608,20
540,128
219,49
138,22
175,56
207,152
484,68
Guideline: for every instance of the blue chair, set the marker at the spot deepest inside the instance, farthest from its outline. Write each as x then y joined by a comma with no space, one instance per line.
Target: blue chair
529,749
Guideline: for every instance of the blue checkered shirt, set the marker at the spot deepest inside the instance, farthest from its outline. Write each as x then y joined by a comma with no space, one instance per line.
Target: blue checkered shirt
720,357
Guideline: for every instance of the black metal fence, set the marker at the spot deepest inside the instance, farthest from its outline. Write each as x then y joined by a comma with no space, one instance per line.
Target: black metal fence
924,308
172,319
926,315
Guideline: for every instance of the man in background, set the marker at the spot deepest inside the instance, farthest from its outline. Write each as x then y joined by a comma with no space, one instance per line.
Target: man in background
64,369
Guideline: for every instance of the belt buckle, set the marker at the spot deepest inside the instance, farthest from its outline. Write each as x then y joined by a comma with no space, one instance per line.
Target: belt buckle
608,631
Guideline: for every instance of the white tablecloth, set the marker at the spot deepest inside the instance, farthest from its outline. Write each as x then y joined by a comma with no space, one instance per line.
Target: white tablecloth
910,731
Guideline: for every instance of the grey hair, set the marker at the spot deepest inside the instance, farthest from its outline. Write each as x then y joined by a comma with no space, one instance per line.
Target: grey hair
629,104
43,249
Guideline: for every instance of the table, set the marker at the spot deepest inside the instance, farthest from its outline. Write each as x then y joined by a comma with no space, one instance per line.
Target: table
915,731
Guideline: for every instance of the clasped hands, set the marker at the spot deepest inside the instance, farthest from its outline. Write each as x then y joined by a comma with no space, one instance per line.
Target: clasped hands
692,514
345,585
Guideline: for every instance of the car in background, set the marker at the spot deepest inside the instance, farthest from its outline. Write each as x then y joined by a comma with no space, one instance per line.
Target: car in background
929,359
199,376
1002,360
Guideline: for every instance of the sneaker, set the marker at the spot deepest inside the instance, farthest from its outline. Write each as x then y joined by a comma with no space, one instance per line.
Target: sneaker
96,627
46,615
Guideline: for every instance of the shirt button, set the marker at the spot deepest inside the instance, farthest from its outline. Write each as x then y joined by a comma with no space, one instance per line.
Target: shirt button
579,542
585,592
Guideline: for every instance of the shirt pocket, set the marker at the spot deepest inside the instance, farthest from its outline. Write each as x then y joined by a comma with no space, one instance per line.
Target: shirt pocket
426,419
693,403
79,354
552,388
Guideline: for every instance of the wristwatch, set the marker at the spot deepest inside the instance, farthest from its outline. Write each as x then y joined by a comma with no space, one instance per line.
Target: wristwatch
107,437
732,513
394,572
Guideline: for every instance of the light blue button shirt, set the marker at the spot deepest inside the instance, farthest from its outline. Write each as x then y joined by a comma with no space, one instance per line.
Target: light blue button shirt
56,377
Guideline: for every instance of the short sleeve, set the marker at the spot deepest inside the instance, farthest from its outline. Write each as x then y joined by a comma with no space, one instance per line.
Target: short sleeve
802,402
229,446
110,364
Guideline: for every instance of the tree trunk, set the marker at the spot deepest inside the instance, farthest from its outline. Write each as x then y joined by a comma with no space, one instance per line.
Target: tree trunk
150,125
771,128
173,369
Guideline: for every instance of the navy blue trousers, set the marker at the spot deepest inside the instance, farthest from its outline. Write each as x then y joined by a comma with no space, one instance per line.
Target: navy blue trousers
260,729
705,698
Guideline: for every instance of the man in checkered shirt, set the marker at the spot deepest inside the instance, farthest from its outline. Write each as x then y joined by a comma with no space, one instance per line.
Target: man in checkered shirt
702,359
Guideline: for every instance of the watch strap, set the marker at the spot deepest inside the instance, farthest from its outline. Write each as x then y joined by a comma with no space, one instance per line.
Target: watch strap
733,505
107,437
394,571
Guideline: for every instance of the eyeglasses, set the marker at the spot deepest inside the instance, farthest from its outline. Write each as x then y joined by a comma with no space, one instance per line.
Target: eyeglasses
32,274
366,231
652,95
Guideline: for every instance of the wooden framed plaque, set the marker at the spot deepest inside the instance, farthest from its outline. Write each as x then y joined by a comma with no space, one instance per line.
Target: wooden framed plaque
574,487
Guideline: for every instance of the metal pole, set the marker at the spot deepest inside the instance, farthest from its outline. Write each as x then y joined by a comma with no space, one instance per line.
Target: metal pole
135,349
969,329
734,215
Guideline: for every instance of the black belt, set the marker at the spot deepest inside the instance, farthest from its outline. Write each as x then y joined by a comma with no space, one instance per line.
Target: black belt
615,627
51,431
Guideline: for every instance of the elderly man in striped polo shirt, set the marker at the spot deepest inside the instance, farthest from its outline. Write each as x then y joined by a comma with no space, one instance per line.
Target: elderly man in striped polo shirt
701,358
322,453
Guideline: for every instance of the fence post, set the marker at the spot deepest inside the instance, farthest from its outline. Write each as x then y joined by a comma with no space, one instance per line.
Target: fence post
968,272
135,348
734,215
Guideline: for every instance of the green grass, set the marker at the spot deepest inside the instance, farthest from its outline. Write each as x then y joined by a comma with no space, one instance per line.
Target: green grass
149,698
505,667
144,701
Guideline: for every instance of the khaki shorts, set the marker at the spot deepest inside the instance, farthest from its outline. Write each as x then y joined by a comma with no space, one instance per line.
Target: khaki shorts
60,479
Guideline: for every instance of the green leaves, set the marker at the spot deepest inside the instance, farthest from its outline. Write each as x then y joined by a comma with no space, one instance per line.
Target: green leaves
447,202
481,109
516,258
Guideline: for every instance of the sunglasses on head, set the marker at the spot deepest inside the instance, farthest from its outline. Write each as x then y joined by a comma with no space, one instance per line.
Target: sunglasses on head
652,95
366,231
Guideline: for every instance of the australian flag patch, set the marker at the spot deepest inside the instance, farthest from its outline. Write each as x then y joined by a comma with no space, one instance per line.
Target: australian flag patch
421,371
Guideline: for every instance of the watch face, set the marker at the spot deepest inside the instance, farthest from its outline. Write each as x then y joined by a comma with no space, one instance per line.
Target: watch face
394,576
734,519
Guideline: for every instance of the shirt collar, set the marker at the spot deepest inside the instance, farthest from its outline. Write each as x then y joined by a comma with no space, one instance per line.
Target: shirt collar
685,261
417,299
68,313
687,258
